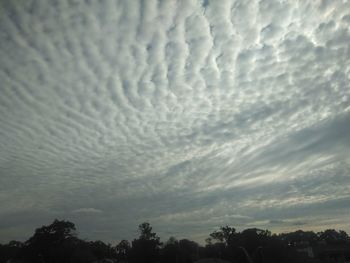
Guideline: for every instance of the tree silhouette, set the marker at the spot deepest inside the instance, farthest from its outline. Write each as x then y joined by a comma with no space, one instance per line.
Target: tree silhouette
10,250
188,250
293,238
146,248
123,250
101,250
331,236
224,235
171,251
52,243
57,242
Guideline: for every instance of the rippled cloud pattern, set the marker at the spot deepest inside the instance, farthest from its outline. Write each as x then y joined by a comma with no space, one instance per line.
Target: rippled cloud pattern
188,114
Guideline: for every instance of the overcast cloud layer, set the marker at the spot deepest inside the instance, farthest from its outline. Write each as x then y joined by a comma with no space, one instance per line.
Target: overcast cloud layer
186,114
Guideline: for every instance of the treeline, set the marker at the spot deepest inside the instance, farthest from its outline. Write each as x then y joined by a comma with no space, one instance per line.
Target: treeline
58,243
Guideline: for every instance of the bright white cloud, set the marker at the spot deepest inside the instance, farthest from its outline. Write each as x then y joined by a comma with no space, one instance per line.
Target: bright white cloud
148,110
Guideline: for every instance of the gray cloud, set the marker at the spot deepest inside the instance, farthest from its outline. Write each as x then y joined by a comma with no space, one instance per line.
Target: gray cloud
189,114
87,210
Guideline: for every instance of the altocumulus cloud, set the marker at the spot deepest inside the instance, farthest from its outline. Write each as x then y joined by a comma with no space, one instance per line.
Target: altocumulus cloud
189,114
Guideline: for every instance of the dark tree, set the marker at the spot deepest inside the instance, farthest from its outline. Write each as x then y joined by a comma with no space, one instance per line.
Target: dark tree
10,251
188,251
214,250
52,243
331,236
253,238
170,251
58,243
146,248
299,236
123,250
224,235
101,250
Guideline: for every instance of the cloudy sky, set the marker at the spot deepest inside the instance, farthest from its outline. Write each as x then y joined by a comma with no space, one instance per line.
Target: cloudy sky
186,114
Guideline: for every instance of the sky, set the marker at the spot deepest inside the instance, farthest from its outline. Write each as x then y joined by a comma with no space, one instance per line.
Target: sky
187,114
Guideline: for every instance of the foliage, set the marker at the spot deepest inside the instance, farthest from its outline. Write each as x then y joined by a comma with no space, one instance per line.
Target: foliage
146,248
123,250
225,235
58,243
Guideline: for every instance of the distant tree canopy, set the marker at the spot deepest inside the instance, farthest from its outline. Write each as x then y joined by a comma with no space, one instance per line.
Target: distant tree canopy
226,235
147,247
333,236
49,243
123,250
57,232
58,243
